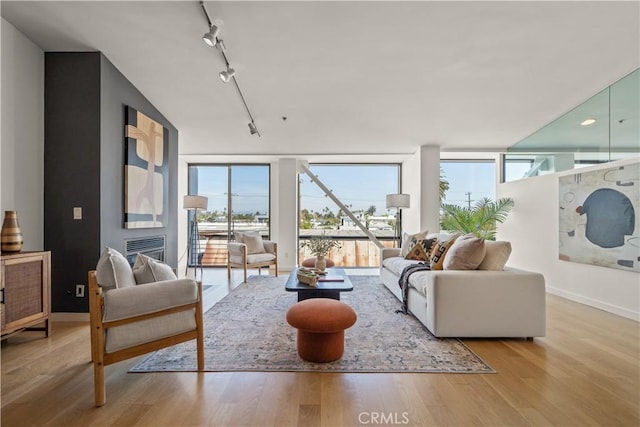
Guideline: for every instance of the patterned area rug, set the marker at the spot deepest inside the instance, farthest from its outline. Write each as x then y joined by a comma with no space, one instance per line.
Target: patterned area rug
247,331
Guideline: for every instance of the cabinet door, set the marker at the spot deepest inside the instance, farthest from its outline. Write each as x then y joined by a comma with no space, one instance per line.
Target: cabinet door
24,299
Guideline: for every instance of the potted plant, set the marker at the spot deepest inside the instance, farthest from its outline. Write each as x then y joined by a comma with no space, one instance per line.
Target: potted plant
480,220
319,246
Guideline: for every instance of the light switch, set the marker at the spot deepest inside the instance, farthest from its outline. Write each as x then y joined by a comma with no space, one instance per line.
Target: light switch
77,213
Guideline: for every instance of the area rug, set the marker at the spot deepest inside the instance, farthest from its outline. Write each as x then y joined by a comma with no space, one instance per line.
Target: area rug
247,331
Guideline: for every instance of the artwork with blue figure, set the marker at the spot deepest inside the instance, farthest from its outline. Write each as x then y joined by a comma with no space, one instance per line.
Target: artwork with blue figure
598,213
610,217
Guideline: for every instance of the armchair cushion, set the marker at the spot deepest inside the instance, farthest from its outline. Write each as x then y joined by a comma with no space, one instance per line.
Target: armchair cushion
255,258
113,270
148,298
254,244
149,270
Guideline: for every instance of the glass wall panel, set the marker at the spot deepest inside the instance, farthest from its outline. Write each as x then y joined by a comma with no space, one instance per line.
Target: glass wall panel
243,191
363,189
604,128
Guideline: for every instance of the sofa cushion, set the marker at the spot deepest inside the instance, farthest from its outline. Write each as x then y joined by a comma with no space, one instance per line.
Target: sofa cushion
113,270
149,270
254,244
466,253
439,252
496,256
406,241
396,264
420,250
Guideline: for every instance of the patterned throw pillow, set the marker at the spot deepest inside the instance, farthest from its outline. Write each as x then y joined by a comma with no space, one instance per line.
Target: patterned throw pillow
408,238
437,255
420,249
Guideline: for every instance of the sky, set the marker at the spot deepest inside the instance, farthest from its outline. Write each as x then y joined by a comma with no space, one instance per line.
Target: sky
357,185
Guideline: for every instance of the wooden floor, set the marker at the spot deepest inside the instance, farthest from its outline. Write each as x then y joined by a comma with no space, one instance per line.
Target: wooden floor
584,372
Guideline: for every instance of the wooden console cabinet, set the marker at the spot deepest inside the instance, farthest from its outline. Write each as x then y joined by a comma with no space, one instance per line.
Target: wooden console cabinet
25,292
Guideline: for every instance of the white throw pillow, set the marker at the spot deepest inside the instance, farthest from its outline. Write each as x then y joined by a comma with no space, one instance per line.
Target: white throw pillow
113,270
254,244
405,247
239,236
149,270
497,255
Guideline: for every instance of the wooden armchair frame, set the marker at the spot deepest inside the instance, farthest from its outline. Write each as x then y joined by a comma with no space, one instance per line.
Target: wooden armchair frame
98,329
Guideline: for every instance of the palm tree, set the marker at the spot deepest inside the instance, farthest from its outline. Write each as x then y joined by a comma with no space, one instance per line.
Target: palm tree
444,185
480,220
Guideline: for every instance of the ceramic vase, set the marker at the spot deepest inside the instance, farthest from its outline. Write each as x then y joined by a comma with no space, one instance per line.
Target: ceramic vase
321,263
11,236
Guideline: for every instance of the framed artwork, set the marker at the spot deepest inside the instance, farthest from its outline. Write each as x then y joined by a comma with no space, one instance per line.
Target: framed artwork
600,217
146,171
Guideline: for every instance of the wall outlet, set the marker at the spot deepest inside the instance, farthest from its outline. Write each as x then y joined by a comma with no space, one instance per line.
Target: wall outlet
80,291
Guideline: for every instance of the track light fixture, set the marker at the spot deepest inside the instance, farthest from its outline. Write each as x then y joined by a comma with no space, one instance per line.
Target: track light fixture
211,39
227,74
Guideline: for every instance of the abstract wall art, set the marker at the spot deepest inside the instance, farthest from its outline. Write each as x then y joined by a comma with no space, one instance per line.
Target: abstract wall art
600,217
146,171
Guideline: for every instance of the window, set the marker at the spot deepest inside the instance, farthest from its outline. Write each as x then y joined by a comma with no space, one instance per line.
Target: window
242,191
362,188
469,181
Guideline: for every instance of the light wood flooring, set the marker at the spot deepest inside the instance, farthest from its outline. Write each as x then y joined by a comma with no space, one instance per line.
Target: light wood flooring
584,372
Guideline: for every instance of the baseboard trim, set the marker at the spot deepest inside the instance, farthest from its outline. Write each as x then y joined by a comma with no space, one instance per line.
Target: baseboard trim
70,317
610,308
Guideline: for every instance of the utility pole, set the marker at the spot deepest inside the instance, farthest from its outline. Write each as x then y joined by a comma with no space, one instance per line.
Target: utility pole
468,194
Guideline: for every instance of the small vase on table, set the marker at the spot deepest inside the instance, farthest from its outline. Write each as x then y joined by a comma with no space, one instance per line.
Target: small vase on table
11,235
321,263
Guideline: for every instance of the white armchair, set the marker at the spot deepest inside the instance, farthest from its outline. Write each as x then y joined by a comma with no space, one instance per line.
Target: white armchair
128,320
250,251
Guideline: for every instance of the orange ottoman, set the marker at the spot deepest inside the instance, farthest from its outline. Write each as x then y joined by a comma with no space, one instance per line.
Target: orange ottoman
321,323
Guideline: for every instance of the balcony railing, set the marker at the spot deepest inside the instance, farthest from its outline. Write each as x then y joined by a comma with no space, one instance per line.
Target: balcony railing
355,249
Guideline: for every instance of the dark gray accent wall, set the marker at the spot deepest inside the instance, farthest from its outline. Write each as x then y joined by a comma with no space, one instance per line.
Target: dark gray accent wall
71,172
85,99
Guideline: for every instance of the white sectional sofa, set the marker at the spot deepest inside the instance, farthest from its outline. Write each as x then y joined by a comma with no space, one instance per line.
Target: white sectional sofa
470,303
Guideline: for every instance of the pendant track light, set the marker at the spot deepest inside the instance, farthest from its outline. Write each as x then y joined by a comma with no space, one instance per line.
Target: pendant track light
211,39
227,74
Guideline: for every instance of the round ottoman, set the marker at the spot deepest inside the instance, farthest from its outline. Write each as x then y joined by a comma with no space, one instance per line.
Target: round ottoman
311,263
321,323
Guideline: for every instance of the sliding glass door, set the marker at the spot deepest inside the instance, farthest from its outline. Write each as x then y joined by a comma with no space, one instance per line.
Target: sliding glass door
239,200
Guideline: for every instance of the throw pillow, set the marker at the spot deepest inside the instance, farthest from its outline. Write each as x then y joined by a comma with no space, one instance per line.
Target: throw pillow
466,253
496,256
149,270
439,251
254,244
113,270
239,236
406,241
421,249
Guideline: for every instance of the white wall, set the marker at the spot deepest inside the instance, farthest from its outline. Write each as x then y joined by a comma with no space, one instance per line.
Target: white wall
22,146
532,228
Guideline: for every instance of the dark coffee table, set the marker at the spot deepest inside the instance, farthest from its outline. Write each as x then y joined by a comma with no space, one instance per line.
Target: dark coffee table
324,290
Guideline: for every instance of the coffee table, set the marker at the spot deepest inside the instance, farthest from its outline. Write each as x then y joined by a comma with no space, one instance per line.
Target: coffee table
324,290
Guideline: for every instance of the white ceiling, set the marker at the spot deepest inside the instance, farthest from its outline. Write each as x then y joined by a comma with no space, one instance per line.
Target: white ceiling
352,77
